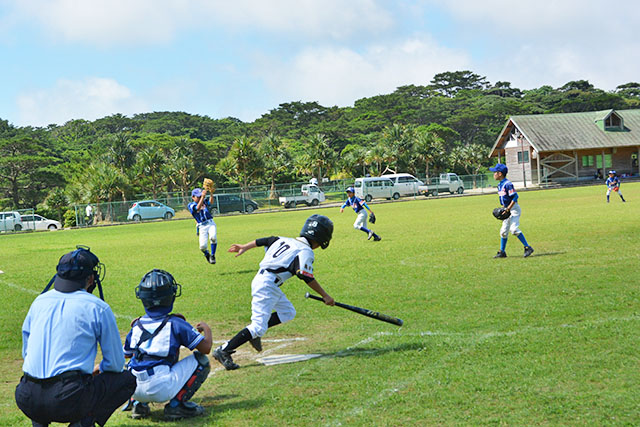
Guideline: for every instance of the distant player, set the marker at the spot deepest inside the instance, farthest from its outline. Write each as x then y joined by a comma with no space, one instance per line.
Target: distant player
154,347
284,258
509,199
613,184
360,207
207,231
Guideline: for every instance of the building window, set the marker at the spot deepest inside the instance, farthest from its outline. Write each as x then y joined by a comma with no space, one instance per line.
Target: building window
523,157
587,161
607,161
613,121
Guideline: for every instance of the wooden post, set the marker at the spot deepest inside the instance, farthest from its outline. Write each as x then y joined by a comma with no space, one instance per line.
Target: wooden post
575,156
538,166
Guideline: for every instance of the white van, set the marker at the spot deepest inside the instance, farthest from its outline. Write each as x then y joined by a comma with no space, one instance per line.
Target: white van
369,188
404,184
10,221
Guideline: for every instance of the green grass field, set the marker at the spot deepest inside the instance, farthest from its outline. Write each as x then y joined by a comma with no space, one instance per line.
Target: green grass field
547,340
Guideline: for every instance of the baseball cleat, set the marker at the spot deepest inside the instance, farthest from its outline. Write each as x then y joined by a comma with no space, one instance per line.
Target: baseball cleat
207,256
212,259
140,410
256,343
528,250
183,410
370,235
502,254
376,238
224,357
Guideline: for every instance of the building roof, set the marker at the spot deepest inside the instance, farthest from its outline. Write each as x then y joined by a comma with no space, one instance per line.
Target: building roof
573,131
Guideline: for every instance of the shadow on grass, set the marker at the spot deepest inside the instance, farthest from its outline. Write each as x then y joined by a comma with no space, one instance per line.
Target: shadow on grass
547,254
373,352
227,273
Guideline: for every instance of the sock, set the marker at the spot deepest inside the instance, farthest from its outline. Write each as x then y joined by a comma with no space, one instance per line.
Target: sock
365,229
621,196
241,337
274,320
214,246
503,244
522,239
607,199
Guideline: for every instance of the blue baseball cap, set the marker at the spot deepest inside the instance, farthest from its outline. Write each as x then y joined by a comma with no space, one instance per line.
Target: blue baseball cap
500,167
197,192
350,190
612,172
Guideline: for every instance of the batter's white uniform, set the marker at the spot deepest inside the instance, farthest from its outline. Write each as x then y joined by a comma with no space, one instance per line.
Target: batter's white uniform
284,258
511,224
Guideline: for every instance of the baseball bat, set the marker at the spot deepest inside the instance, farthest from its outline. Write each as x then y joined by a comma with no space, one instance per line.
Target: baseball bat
363,311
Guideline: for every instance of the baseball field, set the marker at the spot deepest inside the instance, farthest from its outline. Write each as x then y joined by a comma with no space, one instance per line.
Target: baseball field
547,340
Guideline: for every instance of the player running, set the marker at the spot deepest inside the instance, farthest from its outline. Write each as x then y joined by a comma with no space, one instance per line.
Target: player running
360,207
509,199
284,258
613,184
207,231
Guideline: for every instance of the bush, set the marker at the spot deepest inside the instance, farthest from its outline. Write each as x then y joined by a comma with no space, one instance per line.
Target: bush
70,218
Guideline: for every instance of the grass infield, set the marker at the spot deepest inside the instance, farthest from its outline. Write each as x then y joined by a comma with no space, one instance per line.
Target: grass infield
551,339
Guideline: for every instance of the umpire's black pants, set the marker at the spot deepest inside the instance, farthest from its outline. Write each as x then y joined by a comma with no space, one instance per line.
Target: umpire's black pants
74,398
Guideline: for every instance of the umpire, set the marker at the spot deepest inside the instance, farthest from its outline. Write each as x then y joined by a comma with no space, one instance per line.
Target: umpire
59,345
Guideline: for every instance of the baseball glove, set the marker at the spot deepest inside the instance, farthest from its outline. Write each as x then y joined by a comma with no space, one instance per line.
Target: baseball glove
209,185
616,188
372,218
501,213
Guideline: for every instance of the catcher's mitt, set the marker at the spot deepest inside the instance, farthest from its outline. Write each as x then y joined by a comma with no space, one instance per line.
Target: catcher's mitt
501,213
372,218
209,185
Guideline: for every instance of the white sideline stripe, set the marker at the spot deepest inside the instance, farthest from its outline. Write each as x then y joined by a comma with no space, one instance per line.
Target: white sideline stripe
34,292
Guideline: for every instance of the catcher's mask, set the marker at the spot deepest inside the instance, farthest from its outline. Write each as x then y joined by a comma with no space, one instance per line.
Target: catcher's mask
73,270
158,288
318,228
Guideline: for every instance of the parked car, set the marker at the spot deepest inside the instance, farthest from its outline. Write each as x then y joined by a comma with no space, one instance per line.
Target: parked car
310,195
149,209
404,184
371,187
223,203
448,182
37,222
10,221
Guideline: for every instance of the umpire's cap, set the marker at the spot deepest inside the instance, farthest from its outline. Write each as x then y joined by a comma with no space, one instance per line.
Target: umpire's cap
74,268
318,228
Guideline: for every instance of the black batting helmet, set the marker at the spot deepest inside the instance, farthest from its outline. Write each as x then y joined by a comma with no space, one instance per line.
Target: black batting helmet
318,228
158,288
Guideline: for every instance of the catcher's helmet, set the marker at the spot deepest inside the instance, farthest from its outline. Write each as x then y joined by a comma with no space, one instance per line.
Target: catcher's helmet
158,288
318,228
350,190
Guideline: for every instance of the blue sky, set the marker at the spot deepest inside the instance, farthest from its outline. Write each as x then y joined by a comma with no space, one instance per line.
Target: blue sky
70,59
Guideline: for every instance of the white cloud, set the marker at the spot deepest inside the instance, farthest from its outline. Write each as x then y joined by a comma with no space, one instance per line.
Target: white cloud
89,99
115,22
339,76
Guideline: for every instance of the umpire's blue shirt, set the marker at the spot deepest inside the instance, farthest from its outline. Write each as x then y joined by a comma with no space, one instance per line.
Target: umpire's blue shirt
61,333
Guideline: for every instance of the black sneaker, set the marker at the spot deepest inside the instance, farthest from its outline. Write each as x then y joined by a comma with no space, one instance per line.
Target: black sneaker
376,238
256,343
212,259
224,357
500,254
528,250
183,410
207,256
140,410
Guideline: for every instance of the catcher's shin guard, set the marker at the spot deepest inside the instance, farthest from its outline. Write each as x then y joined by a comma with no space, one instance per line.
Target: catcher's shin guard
197,378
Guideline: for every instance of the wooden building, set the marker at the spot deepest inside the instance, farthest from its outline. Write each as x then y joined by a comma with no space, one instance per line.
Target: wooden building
570,146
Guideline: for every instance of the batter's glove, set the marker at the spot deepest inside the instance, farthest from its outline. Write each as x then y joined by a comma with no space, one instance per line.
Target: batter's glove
372,218
501,213
209,185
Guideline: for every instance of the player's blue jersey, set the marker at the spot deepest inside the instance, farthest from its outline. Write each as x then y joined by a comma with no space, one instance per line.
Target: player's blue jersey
613,182
356,203
203,214
164,348
506,192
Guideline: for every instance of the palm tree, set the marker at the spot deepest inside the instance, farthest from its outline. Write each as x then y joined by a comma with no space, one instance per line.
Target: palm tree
471,157
243,163
322,155
276,160
150,162
428,148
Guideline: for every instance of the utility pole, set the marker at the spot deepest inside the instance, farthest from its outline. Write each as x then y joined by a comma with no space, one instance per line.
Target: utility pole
524,176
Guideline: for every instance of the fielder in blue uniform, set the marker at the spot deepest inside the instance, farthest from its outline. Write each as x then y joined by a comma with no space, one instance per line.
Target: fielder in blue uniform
154,347
613,184
207,230
509,199
360,207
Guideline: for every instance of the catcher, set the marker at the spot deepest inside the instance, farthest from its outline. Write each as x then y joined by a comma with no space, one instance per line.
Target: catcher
510,211
613,184
200,210
360,207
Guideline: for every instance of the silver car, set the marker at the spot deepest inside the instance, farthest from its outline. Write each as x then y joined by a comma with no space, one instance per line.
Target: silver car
37,222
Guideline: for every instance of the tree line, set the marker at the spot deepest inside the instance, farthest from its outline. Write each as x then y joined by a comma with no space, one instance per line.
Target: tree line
449,125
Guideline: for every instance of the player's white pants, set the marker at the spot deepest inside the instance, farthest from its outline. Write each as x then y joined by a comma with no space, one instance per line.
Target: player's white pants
165,382
267,297
361,220
609,190
207,231
511,224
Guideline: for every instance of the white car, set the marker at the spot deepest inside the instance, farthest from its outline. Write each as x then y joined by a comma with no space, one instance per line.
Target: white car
37,222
